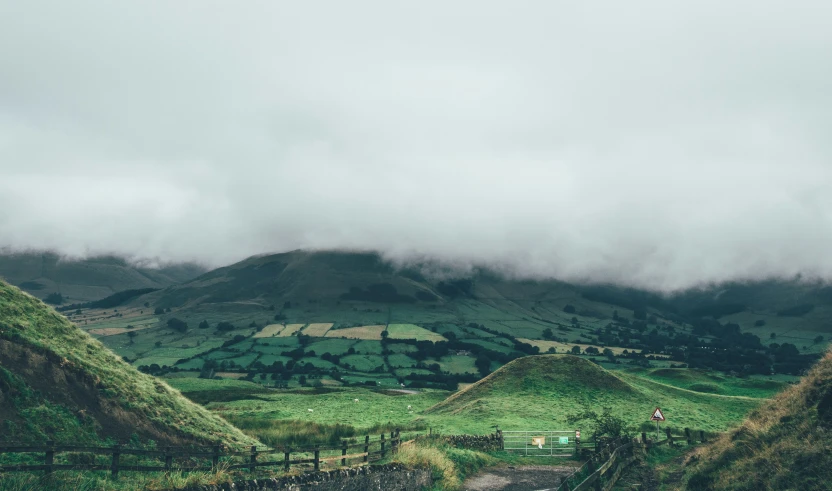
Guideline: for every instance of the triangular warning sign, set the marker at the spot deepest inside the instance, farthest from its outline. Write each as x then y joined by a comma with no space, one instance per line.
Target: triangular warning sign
657,415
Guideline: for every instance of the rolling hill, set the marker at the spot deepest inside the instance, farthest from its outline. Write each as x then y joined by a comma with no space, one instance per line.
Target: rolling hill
546,388
44,273
785,444
246,317
57,382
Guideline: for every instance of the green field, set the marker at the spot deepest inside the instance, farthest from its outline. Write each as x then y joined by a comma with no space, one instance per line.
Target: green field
528,393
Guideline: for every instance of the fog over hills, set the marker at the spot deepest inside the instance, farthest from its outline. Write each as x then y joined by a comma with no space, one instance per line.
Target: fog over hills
646,144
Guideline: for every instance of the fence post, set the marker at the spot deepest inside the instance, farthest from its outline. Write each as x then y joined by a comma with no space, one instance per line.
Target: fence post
344,452
49,459
382,445
688,436
317,458
578,443
114,463
669,436
702,436
168,459
366,448
286,459
215,461
394,444
253,460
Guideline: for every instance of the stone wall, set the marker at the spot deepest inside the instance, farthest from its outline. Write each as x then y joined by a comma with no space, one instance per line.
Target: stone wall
483,443
386,477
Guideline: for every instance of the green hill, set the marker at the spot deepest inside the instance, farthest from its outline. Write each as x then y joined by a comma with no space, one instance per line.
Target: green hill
785,444
488,320
546,388
56,382
42,274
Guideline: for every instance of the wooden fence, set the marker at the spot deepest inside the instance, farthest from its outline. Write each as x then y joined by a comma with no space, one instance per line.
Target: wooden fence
616,457
205,458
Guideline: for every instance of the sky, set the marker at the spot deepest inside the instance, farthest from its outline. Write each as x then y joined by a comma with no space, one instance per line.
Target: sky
658,144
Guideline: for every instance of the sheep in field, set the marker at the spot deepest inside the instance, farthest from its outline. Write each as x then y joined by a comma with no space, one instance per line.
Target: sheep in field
309,410
356,400
409,407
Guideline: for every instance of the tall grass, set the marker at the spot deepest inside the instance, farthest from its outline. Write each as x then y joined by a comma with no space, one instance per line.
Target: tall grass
278,433
102,481
449,465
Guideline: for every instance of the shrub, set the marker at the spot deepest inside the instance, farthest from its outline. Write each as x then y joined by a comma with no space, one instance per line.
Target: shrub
177,324
225,326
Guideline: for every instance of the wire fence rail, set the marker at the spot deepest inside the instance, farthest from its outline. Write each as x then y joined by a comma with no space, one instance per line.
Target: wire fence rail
602,471
190,459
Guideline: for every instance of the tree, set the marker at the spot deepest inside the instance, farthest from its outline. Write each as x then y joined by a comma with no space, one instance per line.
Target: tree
605,424
483,365
54,298
548,334
773,335
158,311
569,309
759,323
204,325
819,339
225,326
609,354
131,335
177,324
576,350
302,380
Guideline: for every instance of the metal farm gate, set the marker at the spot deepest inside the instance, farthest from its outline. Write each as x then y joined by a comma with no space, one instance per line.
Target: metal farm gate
552,443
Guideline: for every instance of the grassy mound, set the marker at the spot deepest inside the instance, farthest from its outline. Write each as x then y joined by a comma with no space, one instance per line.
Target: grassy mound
56,382
542,390
533,376
785,444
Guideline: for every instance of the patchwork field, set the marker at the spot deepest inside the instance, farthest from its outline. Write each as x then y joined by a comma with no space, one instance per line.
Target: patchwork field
361,332
412,331
270,331
290,330
318,330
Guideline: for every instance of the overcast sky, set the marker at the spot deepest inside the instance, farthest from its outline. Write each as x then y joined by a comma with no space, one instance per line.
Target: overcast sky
660,144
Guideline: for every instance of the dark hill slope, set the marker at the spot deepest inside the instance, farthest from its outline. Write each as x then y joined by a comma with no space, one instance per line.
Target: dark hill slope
298,276
88,279
56,382
785,444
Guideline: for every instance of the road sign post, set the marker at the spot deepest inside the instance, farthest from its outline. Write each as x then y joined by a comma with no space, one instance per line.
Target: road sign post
658,417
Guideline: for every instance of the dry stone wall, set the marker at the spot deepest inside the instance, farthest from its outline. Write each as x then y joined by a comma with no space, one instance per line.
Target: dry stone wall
367,478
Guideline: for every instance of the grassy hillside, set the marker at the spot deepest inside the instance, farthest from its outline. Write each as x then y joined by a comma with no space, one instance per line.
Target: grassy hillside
368,315
57,382
785,444
546,388
42,274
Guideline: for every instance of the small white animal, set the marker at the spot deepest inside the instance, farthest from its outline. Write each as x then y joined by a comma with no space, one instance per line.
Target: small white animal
409,407
309,410
402,385
356,400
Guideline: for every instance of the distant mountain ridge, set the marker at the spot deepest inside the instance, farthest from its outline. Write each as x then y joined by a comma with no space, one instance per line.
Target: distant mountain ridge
90,279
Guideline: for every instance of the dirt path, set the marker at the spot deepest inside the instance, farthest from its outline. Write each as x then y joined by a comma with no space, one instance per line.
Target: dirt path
521,478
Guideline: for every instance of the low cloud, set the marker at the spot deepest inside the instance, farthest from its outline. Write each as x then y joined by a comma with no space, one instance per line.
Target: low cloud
649,144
